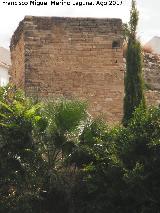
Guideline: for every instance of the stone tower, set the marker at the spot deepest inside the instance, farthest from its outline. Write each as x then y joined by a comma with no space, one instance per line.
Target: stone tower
71,57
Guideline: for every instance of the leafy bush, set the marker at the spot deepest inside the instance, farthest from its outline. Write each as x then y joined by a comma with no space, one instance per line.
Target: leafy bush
139,153
19,158
123,173
53,158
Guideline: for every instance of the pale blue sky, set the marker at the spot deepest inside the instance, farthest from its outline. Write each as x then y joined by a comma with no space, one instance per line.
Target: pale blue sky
149,24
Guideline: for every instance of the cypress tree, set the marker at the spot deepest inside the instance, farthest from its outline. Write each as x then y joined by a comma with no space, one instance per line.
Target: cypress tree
134,94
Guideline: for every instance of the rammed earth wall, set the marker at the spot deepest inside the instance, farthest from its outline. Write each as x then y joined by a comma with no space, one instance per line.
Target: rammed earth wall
71,57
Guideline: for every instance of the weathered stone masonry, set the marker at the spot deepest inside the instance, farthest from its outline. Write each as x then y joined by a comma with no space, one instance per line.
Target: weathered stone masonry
71,57
152,78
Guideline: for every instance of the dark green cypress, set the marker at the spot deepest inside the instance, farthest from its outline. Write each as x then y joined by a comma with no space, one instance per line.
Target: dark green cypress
134,89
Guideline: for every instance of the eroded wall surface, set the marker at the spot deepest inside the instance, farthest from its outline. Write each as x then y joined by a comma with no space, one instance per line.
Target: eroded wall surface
17,47
71,57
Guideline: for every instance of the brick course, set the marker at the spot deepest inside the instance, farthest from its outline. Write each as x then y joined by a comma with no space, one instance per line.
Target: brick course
71,57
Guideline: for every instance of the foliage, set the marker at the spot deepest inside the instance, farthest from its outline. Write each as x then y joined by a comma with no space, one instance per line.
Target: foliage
53,158
123,173
19,160
126,32
138,149
98,187
63,123
35,138
134,94
134,16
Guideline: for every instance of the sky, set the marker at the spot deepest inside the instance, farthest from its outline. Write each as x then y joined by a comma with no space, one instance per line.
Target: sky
149,15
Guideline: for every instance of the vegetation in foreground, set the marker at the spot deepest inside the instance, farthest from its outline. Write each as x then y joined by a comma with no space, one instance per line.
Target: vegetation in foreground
54,158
